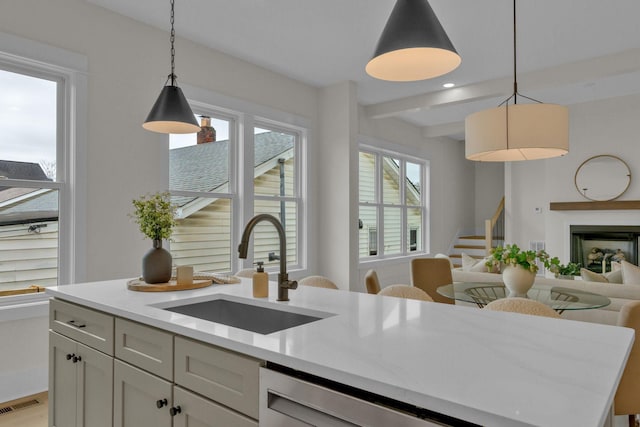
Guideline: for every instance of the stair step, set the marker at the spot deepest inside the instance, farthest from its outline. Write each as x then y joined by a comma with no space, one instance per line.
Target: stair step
479,247
471,237
459,256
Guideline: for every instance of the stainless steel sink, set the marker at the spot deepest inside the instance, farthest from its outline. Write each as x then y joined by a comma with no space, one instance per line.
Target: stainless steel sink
250,317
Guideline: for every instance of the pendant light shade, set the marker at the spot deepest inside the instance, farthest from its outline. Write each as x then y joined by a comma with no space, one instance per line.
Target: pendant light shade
514,132
171,112
413,45
517,132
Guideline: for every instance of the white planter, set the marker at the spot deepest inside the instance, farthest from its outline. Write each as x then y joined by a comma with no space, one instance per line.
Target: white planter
517,280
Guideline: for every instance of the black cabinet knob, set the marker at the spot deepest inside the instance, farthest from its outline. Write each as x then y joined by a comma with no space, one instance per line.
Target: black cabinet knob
69,356
175,410
161,402
76,359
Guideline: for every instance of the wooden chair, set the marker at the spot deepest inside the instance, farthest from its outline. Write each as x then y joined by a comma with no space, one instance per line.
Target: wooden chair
405,291
627,401
372,282
318,282
522,305
430,273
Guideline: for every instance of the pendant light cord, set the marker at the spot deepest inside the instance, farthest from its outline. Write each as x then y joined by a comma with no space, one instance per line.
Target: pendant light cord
515,61
515,93
172,38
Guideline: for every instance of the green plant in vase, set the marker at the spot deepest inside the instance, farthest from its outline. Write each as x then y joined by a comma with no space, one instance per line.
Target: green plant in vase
155,216
519,267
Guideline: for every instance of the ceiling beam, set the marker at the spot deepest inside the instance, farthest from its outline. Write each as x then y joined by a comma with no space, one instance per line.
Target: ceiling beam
445,129
575,72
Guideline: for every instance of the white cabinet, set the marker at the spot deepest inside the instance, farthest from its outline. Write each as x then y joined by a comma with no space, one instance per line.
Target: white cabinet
80,366
81,384
140,398
108,371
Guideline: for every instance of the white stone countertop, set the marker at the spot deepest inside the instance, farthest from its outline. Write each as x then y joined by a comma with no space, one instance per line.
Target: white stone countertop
489,368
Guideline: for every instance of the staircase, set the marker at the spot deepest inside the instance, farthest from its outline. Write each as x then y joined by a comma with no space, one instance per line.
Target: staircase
470,245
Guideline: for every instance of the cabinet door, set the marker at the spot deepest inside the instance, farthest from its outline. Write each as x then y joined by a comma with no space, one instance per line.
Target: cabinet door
95,388
196,411
62,381
136,397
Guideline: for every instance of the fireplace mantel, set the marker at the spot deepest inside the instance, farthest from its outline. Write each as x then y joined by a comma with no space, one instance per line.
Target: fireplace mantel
595,206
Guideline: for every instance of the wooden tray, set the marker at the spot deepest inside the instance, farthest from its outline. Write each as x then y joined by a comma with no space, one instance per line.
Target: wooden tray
172,285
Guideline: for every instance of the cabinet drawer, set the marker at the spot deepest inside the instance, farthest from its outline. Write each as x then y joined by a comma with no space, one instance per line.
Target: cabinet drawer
198,411
148,348
84,325
221,375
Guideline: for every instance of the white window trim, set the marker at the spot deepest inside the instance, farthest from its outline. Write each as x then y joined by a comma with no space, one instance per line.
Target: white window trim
252,115
385,148
72,68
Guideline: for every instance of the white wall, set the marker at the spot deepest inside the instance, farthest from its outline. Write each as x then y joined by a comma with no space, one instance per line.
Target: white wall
489,190
601,127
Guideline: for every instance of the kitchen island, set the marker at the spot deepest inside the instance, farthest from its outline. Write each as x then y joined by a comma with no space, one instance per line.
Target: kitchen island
483,367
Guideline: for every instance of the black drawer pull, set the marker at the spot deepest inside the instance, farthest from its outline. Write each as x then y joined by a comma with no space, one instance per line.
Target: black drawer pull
175,410
76,359
69,356
161,402
73,323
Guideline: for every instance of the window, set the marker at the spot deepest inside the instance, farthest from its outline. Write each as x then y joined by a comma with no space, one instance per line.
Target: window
39,123
392,204
207,177
202,188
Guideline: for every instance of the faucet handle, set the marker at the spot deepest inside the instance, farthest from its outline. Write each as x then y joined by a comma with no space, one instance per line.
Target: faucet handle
291,284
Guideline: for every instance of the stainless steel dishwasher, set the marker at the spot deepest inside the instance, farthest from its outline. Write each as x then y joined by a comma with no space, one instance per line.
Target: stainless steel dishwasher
288,400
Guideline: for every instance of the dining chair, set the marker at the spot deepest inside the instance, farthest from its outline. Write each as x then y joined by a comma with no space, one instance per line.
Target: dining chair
405,291
522,305
318,282
626,401
430,273
372,282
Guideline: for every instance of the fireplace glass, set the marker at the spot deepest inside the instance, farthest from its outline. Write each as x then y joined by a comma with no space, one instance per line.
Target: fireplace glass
596,246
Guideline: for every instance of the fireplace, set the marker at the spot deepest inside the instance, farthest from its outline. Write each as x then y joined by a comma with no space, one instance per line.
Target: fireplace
595,246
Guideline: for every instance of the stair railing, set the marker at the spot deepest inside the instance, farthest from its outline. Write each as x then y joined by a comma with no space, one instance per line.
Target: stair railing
494,229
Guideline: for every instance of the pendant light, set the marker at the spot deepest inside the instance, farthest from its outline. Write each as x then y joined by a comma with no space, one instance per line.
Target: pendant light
171,112
518,131
413,45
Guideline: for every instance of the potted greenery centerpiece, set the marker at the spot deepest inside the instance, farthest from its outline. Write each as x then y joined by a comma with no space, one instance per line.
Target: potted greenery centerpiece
155,216
519,269
563,271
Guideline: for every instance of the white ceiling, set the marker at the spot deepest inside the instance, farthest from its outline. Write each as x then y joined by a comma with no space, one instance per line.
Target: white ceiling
569,51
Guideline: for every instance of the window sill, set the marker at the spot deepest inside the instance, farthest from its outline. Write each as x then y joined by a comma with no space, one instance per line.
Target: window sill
26,306
369,263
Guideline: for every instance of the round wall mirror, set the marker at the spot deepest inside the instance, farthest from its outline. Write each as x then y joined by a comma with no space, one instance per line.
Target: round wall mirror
602,178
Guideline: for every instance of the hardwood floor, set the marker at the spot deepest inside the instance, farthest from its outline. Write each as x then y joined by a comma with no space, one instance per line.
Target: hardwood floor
30,411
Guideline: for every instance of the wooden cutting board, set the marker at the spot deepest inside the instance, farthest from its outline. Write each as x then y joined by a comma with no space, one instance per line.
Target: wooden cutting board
171,285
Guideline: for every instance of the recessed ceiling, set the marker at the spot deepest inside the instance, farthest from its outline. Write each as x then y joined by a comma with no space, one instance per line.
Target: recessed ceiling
569,51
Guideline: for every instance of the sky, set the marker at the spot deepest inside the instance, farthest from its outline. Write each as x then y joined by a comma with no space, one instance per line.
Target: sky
27,118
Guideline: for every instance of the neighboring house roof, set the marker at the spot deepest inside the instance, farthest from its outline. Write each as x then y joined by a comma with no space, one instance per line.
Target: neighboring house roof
22,205
22,170
205,167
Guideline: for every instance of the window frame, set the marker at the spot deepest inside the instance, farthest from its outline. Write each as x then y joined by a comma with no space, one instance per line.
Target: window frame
379,204
247,117
69,70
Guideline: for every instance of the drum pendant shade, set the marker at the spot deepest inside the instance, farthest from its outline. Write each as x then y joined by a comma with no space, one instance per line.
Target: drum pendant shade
517,132
514,132
413,45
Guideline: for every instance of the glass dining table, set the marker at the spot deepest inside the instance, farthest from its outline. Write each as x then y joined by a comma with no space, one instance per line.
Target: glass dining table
556,297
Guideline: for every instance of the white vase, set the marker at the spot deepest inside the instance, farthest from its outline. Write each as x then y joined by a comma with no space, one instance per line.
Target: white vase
517,280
